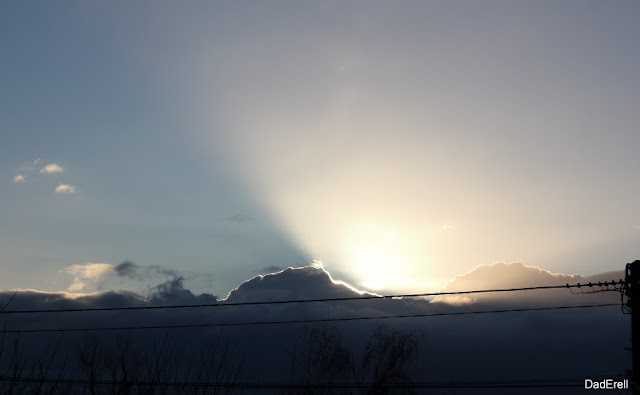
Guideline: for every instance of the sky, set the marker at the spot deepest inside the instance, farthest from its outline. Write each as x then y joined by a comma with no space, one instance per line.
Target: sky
399,143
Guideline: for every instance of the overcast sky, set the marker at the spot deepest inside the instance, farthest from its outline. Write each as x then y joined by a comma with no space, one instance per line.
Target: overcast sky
400,143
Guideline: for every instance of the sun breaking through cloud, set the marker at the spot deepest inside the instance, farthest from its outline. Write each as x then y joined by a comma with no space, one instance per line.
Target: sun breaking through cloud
89,274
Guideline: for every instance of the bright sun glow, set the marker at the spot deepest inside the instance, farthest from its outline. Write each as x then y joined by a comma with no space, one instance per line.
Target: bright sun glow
379,256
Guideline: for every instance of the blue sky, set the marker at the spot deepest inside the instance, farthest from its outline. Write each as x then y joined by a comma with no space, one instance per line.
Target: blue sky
401,143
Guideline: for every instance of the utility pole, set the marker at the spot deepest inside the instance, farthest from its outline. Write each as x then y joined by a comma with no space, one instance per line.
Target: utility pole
632,291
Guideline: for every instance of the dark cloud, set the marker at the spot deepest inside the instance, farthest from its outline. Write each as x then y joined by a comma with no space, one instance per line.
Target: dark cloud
306,282
169,291
163,271
173,291
270,269
131,270
127,269
238,218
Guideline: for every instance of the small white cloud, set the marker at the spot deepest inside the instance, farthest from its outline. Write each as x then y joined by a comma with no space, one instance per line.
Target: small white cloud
90,273
65,188
52,168
35,162
19,178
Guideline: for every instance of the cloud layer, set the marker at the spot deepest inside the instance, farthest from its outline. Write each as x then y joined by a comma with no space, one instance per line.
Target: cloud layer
471,347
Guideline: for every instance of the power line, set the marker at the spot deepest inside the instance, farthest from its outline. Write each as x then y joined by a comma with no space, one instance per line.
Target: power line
370,296
309,321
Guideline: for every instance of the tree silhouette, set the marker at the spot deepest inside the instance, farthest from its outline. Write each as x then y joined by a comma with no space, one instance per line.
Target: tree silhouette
387,357
326,362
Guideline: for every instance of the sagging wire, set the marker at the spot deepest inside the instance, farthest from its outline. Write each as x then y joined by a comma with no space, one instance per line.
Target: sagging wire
620,286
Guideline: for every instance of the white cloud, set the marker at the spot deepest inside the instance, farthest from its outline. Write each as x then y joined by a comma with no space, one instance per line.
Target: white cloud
502,275
90,273
65,188
35,162
52,168
19,178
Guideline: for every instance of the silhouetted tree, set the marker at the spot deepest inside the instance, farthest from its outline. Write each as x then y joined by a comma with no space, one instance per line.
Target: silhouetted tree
387,357
326,361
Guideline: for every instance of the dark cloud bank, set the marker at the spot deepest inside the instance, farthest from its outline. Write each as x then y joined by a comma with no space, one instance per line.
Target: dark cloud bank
528,345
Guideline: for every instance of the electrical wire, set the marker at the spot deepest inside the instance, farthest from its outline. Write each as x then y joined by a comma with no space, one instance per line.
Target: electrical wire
309,321
260,303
